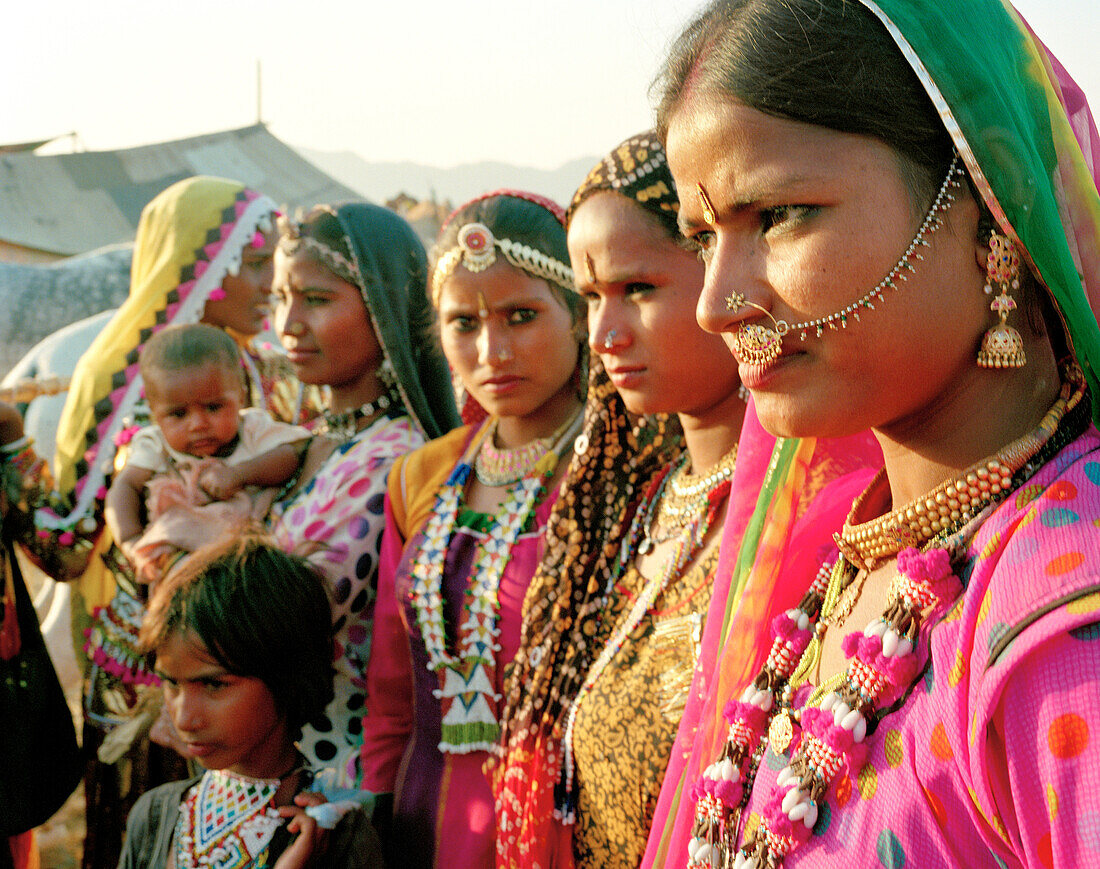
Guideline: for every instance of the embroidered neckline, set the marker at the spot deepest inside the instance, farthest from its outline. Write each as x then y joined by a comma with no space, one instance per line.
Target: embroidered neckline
688,545
226,821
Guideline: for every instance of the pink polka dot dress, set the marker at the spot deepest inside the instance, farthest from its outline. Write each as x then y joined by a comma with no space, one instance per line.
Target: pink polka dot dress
340,514
993,758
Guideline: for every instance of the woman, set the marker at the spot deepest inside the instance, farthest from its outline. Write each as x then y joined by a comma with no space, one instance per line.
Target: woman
964,591
465,517
633,543
350,308
40,760
202,253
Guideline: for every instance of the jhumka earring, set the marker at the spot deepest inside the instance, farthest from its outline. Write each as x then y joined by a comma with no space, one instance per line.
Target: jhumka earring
1002,346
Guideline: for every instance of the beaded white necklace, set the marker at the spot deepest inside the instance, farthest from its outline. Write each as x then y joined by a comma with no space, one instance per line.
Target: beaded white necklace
467,678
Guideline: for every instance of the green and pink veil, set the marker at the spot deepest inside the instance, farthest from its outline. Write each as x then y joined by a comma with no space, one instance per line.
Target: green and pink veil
1025,133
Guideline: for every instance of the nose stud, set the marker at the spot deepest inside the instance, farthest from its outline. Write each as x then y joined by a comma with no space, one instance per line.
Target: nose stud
504,355
295,329
609,339
735,302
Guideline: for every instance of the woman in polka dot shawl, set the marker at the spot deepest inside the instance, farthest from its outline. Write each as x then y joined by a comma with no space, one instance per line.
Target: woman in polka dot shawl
934,700
350,310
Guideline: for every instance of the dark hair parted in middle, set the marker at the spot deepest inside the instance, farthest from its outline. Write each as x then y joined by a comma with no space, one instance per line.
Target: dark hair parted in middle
261,612
523,219
829,63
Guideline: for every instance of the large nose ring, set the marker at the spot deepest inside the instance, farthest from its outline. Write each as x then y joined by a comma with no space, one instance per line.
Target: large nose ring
609,339
755,343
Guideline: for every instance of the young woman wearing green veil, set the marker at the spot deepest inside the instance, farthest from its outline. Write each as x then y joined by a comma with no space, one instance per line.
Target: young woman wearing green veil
854,175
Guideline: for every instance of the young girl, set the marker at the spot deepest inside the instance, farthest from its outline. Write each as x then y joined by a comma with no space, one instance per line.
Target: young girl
464,522
192,466
243,644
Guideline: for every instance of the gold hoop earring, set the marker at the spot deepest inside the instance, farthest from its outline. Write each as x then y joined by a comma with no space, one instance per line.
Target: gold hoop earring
1002,346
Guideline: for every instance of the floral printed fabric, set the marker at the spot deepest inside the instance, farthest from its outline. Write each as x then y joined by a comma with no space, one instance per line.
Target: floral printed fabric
626,724
993,759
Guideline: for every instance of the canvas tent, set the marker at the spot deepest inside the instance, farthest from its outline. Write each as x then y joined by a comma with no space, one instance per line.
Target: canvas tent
57,205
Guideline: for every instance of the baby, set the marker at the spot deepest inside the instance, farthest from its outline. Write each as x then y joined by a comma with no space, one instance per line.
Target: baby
197,468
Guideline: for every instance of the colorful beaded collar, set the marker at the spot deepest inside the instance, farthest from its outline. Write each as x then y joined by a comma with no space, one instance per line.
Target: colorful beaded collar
467,677
226,821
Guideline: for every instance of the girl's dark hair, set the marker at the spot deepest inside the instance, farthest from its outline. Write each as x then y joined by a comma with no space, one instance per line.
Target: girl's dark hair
830,63
261,612
523,218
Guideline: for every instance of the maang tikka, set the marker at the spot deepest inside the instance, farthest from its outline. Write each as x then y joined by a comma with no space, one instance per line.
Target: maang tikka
1002,346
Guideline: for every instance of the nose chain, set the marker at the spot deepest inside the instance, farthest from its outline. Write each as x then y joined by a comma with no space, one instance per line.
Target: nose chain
757,343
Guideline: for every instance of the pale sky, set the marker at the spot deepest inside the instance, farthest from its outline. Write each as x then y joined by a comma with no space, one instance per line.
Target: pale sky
440,82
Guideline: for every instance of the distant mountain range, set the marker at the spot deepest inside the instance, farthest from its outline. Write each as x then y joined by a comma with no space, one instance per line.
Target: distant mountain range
380,182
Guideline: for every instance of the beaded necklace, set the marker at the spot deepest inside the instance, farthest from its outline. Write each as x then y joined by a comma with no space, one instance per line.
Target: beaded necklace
226,821
467,678
687,548
884,659
345,425
684,499
501,466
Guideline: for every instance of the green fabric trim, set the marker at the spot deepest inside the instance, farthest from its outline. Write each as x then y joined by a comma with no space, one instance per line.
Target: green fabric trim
997,103
783,455
469,732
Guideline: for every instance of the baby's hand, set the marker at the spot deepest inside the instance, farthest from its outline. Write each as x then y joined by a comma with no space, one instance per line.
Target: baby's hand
219,481
148,562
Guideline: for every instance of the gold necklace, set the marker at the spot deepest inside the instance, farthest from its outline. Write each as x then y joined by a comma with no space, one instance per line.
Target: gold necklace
838,606
685,496
954,502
